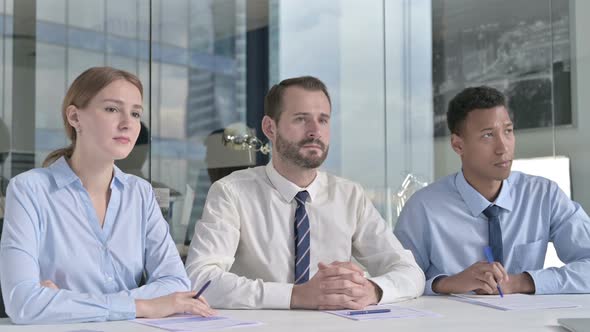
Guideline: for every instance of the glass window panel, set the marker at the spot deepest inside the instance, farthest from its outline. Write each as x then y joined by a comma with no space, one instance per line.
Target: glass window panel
172,105
51,10
80,60
408,79
143,17
333,38
572,141
87,14
122,16
7,68
49,85
2,62
173,23
378,58
4,125
503,44
121,62
156,17
9,7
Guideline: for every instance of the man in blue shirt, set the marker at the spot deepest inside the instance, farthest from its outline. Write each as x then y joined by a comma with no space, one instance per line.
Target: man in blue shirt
447,224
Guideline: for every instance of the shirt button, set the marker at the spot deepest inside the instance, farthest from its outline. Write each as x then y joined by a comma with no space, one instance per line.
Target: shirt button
109,279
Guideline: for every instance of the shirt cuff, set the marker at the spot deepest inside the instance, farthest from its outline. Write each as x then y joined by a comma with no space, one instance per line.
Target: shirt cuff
545,281
387,294
276,295
428,287
121,308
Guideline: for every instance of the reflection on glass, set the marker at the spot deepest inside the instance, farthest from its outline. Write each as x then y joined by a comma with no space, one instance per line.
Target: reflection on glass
80,60
522,48
87,14
174,16
171,111
409,186
118,19
240,137
220,161
121,62
49,85
51,10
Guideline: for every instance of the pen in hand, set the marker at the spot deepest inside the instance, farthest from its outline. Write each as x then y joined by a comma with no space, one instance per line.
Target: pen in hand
200,292
490,258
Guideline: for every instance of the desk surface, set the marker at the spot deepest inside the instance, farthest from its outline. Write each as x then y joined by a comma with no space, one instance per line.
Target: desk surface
456,316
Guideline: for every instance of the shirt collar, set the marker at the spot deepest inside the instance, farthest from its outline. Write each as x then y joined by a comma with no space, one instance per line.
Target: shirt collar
475,201
119,176
288,189
64,175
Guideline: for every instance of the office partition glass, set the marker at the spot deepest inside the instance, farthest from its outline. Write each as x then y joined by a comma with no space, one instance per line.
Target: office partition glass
390,66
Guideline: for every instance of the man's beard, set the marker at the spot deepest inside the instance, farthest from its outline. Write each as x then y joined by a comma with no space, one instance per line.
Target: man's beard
290,151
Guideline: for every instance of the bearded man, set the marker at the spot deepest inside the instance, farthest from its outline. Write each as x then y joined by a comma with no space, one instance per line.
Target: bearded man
283,235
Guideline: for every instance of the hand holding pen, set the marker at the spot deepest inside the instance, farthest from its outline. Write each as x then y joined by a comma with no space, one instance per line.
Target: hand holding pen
490,258
175,303
202,290
481,277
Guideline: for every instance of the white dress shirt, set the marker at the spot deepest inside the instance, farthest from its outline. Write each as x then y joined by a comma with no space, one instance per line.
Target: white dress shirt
244,241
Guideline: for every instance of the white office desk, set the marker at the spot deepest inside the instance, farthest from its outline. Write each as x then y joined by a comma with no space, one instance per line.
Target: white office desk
457,316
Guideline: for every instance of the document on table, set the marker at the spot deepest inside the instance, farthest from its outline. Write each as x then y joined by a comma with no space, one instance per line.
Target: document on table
395,312
186,323
515,301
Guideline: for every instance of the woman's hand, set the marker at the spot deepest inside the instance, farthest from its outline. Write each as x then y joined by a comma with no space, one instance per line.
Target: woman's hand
175,303
49,284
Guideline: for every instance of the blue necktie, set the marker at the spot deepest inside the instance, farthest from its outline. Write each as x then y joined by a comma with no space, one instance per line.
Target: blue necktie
495,233
302,239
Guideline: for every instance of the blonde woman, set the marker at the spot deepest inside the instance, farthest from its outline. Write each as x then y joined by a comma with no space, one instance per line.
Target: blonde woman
80,234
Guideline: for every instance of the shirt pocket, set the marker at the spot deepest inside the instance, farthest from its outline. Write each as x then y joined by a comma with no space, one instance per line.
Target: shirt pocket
530,256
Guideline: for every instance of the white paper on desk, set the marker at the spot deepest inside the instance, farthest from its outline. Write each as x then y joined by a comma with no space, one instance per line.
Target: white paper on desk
186,323
396,312
515,301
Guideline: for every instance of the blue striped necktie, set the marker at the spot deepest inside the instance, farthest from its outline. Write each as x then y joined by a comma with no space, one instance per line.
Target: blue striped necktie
302,239
495,233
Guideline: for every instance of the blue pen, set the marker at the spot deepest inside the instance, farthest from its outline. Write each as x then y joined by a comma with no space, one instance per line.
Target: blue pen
200,292
371,311
490,257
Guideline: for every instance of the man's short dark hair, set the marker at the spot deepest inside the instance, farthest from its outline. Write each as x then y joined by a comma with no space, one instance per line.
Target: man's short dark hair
470,99
274,98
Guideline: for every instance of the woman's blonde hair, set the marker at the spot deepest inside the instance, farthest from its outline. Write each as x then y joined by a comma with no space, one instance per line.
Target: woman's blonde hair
83,89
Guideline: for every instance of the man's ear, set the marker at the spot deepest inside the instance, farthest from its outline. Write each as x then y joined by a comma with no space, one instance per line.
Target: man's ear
457,144
269,127
72,116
